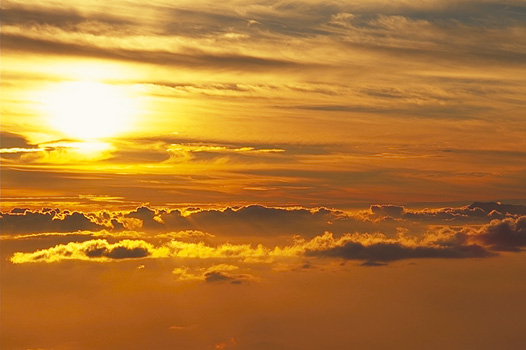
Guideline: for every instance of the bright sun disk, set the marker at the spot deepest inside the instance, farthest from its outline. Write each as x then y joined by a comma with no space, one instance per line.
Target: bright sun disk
89,110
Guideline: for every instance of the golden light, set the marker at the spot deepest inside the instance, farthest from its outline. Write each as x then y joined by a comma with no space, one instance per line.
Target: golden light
87,110
85,147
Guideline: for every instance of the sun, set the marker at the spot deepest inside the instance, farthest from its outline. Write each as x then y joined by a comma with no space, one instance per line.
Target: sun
87,110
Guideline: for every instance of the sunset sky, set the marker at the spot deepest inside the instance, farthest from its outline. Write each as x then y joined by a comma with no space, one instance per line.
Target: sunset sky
267,175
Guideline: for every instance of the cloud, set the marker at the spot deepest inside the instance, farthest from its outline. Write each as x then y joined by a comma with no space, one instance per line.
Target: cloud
448,244
57,16
188,234
19,150
217,276
195,148
12,146
216,36
184,153
121,252
34,221
477,211
214,274
270,221
146,219
62,152
10,140
202,61
99,250
255,220
507,234
226,344
394,211
95,250
377,247
473,231
397,251
490,207
252,220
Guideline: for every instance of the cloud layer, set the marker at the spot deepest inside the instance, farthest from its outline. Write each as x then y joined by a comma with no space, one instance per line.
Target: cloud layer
371,248
508,234
255,220
465,242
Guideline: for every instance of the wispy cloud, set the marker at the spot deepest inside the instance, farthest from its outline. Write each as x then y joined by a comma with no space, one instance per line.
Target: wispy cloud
322,103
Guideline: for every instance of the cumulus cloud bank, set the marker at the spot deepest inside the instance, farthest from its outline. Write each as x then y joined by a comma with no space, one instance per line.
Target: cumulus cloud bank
21,220
476,231
508,234
357,246
255,220
379,248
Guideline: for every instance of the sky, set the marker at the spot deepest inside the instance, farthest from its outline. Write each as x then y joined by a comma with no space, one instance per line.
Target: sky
263,174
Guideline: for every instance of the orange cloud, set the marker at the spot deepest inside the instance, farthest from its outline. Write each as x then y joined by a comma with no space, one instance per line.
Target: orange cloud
470,240
215,273
370,247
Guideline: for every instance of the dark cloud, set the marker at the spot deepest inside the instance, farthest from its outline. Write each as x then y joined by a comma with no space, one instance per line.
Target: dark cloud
27,221
394,211
507,234
10,140
221,276
147,216
118,252
391,251
117,226
254,220
19,210
452,111
191,22
474,13
57,17
475,212
373,249
198,60
400,32
217,276
489,207
256,22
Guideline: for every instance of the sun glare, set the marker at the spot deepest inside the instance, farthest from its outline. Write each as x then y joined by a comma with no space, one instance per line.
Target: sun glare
86,110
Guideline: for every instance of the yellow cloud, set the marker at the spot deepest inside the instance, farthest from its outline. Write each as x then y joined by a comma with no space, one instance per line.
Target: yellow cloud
441,243
96,250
